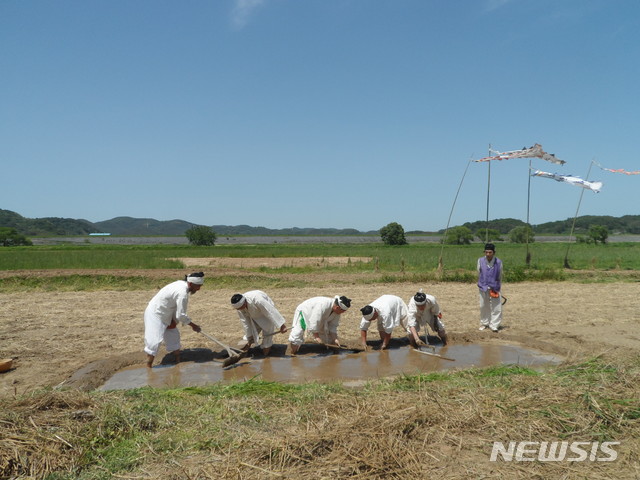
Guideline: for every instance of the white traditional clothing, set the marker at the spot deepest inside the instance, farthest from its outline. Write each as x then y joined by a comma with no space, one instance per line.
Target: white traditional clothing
260,315
490,311
419,319
392,313
315,315
167,307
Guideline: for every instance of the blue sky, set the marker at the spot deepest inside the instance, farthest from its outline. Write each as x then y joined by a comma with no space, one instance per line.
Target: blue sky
316,113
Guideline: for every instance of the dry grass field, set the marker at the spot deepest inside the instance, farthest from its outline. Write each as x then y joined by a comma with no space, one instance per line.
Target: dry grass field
68,343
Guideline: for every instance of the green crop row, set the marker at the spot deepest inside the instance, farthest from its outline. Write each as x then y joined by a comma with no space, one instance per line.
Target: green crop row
409,258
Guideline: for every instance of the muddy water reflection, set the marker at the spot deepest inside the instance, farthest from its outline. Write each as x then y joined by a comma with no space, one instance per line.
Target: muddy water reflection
349,368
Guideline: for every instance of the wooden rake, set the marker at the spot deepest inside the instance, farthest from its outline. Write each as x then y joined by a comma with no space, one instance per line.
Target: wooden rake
343,347
336,347
433,354
235,355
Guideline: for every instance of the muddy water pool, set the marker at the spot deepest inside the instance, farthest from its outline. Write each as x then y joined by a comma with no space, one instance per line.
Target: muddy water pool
351,369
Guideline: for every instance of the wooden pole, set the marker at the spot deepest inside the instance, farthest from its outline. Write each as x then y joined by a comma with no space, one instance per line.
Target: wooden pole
440,265
528,257
573,225
486,229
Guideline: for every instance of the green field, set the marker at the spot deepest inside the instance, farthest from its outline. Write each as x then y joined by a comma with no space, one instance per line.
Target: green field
412,258
417,262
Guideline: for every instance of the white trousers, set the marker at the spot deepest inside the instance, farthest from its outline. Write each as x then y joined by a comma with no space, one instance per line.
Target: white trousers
156,332
257,325
297,334
490,310
435,323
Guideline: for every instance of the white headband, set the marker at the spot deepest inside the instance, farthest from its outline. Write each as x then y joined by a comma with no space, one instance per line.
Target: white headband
340,304
370,316
239,303
420,303
421,291
196,280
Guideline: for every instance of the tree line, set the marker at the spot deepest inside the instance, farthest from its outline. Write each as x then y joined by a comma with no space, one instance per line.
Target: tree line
629,224
54,226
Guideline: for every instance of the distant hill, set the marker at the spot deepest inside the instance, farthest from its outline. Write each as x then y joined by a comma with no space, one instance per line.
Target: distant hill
54,226
146,227
45,226
223,230
149,226
143,226
624,224
503,225
617,225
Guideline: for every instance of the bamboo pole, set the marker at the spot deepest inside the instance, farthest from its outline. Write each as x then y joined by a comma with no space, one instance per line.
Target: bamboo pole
528,257
573,225
440,264
486,227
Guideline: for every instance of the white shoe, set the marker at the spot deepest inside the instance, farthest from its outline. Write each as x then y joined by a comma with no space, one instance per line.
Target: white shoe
494,330
483,327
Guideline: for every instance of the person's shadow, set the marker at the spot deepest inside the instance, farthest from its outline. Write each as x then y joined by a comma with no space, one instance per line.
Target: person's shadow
197,355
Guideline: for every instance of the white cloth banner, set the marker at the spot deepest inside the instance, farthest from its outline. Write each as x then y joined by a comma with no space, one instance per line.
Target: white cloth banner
531,152
593,186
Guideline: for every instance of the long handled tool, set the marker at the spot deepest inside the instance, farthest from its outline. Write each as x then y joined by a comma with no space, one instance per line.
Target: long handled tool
343,347
235,355
422,345
434,355
271,334
336,347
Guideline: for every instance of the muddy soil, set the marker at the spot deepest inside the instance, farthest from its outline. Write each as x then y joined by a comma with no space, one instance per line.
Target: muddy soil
79,339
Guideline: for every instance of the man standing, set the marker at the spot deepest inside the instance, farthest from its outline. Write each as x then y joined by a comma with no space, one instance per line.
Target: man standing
258,313
489,285
164,311
424,310
390,312
320,316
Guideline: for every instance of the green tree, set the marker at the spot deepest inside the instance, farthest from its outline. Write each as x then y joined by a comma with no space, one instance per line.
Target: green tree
488,234
583,239
9,237
201,236
599,233
458,236
502,225
522,234
393,234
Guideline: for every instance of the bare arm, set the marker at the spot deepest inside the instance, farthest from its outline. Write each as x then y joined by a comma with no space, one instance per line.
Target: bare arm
386,338
415,335
363,338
